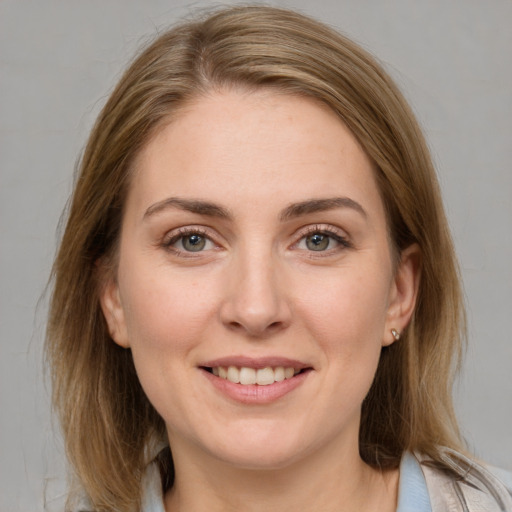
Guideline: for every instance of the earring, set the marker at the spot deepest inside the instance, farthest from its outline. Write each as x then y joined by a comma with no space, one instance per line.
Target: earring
395,334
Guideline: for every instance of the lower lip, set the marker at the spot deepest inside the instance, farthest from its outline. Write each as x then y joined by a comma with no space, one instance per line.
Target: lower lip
254,394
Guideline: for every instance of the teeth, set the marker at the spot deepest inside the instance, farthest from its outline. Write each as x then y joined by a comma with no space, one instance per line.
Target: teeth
250,376
279,374
265,376
247,376
233,374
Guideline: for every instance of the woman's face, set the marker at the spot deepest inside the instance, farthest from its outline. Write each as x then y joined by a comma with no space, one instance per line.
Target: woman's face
254,244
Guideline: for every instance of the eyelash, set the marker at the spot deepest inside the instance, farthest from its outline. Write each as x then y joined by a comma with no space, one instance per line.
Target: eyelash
181,233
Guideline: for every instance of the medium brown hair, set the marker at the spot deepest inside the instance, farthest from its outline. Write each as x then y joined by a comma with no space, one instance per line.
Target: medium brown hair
106,418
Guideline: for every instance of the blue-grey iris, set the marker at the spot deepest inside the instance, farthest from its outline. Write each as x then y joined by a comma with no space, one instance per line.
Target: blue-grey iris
317,242
193,243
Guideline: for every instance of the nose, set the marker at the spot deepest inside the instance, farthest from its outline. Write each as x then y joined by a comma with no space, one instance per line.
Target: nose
255,298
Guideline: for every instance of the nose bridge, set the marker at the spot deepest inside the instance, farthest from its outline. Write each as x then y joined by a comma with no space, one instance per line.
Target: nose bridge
255,301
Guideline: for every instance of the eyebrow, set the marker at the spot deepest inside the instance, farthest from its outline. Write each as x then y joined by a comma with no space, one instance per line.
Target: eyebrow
294,210
320,205
190,205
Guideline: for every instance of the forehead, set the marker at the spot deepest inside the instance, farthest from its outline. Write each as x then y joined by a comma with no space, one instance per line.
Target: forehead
245,148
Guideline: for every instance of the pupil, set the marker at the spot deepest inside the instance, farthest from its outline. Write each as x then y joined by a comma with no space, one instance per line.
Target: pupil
194,243
317,242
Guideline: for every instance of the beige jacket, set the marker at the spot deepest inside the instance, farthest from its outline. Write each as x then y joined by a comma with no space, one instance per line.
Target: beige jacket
477,489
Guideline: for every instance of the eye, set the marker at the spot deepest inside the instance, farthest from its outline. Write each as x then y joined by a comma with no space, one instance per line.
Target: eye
322,240
188,241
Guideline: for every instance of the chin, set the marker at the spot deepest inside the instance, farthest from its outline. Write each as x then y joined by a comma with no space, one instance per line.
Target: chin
261,450
260,459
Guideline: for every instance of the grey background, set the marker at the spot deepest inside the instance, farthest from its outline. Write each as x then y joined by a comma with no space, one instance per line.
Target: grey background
58,61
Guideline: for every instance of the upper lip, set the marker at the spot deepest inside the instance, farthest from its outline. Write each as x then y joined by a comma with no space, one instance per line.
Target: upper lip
255,362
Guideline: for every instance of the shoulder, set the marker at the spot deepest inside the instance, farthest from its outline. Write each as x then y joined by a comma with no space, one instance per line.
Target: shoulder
469,486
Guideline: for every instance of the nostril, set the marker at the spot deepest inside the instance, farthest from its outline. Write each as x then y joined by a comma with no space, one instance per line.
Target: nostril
256,330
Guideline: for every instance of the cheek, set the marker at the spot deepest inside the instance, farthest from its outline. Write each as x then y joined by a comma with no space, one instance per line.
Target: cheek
345,304
345,317
164,312
166,318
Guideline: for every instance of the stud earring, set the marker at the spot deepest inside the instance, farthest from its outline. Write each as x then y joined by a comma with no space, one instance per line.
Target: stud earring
395,334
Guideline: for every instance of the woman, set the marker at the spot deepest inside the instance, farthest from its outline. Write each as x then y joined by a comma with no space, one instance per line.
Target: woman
256,302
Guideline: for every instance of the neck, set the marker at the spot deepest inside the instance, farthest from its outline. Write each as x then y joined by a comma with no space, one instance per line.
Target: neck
332,481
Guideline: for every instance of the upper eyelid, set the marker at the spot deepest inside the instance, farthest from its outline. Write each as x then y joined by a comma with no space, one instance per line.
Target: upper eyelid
321,228
187,230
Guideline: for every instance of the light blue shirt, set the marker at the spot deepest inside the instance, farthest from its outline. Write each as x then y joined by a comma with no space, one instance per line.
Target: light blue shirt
412,487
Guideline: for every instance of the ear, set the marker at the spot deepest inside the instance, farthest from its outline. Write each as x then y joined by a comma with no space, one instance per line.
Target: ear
403,293
114,313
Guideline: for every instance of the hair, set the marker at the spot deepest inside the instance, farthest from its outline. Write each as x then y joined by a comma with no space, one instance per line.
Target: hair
106,418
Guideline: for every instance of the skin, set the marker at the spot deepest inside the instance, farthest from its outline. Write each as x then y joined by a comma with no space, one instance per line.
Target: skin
258,290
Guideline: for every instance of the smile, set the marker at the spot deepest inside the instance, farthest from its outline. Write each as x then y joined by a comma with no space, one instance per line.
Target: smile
250,376
255,380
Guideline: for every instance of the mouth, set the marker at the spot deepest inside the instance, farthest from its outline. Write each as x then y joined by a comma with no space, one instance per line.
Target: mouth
249,376
256,381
